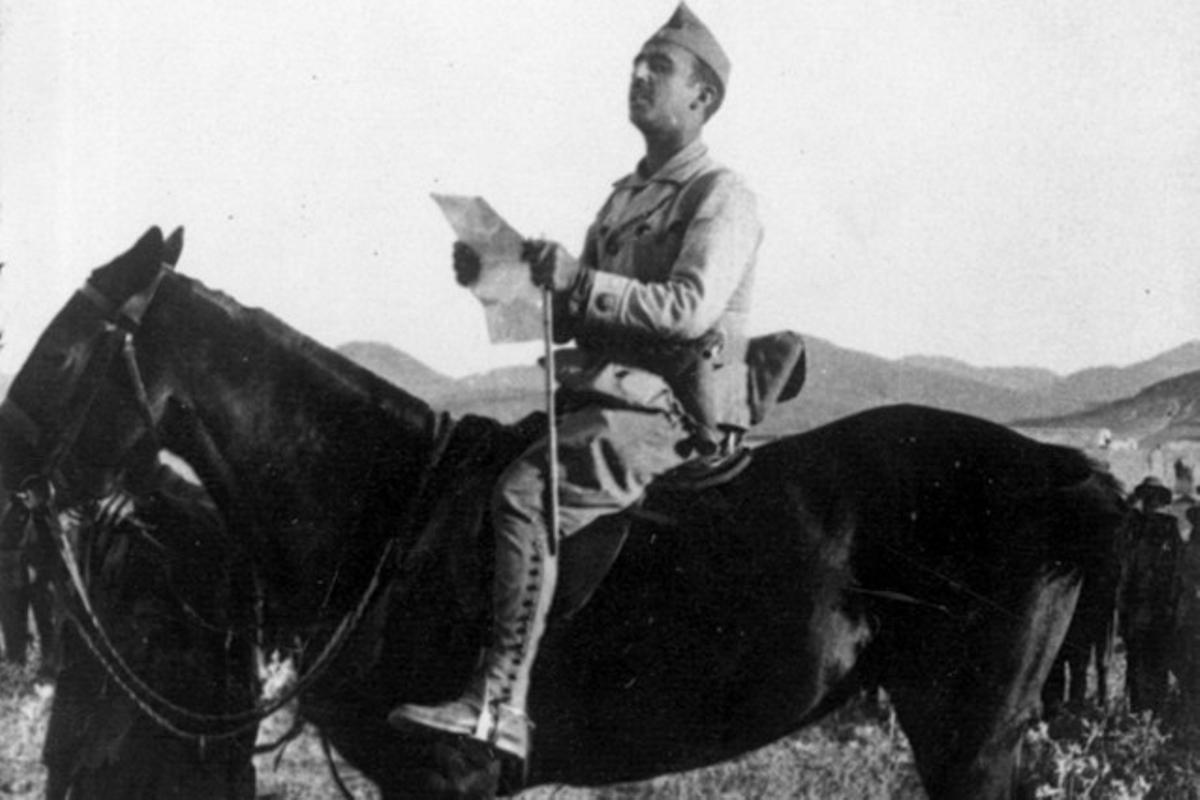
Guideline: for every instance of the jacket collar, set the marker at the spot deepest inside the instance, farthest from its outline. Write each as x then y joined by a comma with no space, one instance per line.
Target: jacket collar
683,166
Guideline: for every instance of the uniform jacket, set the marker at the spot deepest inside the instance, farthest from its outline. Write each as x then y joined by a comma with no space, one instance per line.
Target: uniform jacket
661,305
1187,588
1149,582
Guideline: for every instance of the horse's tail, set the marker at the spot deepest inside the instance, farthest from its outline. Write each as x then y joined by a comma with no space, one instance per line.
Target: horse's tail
1085,516
1088,508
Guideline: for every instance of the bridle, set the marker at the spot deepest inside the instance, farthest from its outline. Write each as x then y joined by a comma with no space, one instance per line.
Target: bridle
38,495
38,492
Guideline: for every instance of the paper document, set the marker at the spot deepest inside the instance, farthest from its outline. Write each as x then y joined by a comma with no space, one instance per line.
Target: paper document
511,303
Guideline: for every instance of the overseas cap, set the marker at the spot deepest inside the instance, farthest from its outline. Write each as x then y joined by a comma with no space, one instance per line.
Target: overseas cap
685,29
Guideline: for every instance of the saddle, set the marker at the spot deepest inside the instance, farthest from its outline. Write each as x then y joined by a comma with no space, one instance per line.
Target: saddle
481,448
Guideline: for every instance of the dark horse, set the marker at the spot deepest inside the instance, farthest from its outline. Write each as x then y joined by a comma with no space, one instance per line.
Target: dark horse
933,554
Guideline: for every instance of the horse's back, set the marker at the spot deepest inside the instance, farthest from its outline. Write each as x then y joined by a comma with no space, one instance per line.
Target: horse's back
923,442
748,610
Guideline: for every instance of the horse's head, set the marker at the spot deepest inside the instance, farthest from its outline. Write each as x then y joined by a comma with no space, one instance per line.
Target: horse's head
83,369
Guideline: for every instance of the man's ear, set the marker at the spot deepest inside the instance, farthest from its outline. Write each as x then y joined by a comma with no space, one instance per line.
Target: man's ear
706,98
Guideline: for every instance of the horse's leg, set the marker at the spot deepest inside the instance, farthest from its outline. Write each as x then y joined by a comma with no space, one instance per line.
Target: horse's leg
1078,662
1103,647
41,603
1055,687
964,693
14,623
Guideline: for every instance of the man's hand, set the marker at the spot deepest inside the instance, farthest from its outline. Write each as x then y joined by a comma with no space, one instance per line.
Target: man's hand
550,265
466,264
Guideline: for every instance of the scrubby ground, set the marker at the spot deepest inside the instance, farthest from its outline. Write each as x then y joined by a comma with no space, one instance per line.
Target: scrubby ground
24,711
857,753
853,755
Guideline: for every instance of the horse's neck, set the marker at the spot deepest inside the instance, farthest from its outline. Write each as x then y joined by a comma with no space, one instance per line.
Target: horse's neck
299,440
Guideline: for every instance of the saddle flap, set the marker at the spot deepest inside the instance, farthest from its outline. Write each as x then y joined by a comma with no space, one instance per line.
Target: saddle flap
584,561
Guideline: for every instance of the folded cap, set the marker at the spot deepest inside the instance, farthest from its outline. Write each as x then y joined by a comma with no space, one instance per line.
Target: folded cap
685,29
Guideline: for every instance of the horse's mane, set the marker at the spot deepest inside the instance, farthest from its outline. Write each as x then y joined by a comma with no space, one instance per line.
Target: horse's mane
322,364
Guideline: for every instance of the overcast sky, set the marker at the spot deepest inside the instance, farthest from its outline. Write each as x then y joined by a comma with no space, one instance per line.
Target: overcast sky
1005,183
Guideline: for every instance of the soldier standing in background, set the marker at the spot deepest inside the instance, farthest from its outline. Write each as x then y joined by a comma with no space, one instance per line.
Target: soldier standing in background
1187,623
1185,496
1147,596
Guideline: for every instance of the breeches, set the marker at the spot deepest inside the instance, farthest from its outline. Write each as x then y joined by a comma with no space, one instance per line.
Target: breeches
606,459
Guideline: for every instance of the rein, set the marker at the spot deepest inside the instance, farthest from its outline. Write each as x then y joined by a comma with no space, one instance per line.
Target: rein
38,494
94,636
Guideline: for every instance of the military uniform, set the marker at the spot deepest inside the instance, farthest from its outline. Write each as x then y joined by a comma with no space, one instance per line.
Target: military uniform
1187,621
668,293
1148,607
658,312
662,286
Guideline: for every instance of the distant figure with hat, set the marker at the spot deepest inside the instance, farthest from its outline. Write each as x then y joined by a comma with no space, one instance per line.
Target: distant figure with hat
657,303
1185,496
1147,595
1186,664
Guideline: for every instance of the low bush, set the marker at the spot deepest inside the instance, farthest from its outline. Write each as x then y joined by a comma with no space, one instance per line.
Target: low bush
1120,756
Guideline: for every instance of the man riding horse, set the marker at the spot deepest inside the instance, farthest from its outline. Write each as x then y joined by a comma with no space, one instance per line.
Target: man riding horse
657,304
342,496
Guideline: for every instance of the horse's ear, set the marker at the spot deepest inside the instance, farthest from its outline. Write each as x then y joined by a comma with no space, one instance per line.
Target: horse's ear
150,242
131,271
172,248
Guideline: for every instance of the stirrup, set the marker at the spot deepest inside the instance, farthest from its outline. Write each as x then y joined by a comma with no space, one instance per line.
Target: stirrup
461,717
507,728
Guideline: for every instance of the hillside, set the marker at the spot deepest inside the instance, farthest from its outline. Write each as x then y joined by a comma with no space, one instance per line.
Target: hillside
1100,385
1163,412
399,368
1021,379
507,393
1077,390
842,381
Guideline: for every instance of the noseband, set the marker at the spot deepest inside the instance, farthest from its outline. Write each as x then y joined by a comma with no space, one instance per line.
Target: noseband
38,491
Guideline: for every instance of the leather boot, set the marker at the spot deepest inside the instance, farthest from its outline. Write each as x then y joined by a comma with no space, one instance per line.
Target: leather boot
492,709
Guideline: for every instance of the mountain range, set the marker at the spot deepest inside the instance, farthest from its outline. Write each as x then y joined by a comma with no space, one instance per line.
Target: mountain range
1087,387
1164,412
1137,400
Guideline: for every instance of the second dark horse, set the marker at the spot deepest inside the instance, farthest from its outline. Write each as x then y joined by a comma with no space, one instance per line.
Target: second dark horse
933,554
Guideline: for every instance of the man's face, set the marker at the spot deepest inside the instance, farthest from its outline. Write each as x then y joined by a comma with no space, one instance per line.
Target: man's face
662,92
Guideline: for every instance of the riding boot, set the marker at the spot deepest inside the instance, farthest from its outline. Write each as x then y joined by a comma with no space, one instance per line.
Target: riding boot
492,709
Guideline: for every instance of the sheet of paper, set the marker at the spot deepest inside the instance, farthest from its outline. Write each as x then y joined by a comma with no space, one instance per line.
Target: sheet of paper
512,304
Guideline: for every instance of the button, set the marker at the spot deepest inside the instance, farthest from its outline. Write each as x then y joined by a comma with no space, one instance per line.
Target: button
606,302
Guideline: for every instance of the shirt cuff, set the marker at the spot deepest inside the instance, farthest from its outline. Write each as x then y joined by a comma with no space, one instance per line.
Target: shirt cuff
605,298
